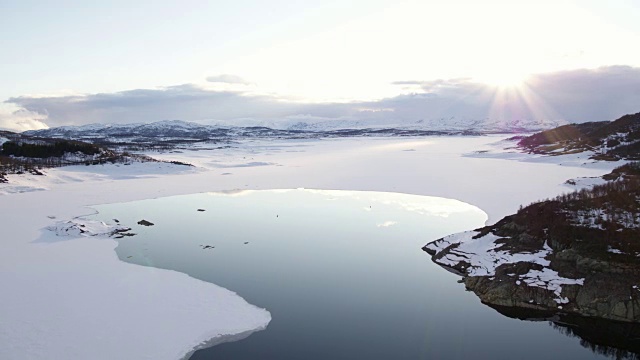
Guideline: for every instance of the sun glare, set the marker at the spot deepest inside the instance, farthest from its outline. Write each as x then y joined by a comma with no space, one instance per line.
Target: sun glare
503,78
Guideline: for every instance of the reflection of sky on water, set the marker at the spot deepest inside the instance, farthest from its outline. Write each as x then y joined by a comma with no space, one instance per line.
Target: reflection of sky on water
342,273
424,205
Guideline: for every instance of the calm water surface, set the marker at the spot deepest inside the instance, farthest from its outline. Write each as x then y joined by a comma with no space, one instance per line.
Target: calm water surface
342,274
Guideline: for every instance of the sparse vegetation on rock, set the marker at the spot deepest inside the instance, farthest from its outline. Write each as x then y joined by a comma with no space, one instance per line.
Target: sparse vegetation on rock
592,235
608,140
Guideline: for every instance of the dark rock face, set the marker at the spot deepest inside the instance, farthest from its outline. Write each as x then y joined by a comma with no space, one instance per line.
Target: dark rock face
603,295
145,223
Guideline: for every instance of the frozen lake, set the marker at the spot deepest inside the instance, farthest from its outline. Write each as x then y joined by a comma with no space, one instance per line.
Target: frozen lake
342,273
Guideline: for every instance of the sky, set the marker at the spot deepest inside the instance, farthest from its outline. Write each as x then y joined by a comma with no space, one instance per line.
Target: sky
79,62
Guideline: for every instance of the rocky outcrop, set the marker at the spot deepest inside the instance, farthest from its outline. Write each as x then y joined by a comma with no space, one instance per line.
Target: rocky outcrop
576,254
607,140
501,272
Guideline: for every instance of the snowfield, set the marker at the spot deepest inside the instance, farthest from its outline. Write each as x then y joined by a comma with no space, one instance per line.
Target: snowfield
67,296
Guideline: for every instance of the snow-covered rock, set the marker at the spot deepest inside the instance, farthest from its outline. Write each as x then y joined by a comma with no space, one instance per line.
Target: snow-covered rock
475,254
77,227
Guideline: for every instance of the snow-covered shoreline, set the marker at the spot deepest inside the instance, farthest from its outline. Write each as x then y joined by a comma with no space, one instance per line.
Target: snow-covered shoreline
74,299
480,255
66,295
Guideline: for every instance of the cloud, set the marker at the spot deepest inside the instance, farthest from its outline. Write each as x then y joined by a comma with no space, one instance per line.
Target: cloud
21,120
185,102
435,85
575,96
590,95
407,82
228,79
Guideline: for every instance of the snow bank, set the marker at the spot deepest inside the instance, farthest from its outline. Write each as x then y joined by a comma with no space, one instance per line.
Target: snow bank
77,300
66,295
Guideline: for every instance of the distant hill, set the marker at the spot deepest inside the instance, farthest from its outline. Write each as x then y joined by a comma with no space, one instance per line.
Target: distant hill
176,131
168,134
608,140
442,124
21,153
578,253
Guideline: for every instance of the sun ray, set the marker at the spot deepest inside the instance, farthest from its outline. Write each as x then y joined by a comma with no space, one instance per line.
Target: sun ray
510,105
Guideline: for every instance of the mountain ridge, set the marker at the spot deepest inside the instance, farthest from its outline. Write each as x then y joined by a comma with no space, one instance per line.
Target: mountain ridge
179,129
609,140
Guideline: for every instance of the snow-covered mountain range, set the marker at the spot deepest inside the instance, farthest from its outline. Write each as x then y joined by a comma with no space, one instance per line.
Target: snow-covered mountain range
177,129
430,124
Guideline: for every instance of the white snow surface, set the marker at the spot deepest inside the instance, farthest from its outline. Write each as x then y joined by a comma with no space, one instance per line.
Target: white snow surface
69,297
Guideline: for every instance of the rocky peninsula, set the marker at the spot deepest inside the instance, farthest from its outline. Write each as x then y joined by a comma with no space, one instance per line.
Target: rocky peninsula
578,253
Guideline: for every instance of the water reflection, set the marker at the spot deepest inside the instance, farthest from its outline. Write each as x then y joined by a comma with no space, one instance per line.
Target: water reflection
613,339
342,274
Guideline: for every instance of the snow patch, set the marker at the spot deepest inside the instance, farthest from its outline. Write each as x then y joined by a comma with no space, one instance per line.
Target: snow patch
483,254
550,280
614,250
